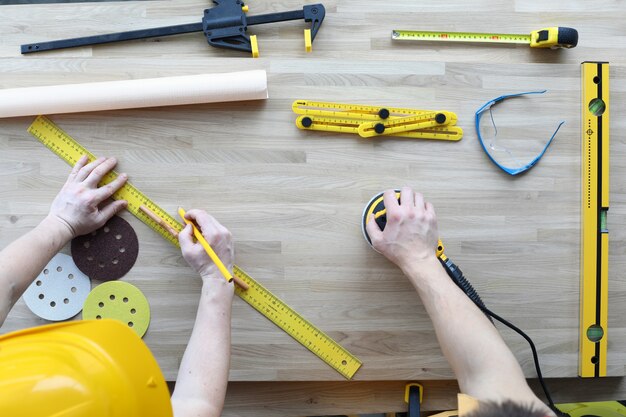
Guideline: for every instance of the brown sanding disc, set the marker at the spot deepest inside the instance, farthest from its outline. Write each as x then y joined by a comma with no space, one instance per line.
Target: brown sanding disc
109,252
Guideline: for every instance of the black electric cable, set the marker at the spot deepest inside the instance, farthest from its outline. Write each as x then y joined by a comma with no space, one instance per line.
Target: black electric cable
455,273
534,351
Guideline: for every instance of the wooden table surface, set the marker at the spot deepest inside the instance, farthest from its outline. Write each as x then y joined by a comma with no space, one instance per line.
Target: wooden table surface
293,199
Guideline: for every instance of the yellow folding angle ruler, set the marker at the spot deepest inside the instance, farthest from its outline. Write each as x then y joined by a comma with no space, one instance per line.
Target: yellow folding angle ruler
552,37
594,243
373,121
256,295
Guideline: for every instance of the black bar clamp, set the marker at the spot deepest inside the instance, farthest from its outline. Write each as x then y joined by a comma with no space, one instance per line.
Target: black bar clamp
225,26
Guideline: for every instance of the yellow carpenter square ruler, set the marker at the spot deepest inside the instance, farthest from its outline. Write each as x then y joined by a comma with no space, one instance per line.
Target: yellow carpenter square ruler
256,295
373,121
328,109
594,256
552,37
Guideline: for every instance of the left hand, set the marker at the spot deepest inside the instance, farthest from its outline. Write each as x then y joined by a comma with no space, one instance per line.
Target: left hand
80,205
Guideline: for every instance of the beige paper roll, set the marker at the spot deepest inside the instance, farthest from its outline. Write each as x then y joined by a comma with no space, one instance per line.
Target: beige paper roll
126,94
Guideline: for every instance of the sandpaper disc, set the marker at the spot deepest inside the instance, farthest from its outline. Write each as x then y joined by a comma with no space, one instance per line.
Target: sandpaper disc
59,291
107,253
121,301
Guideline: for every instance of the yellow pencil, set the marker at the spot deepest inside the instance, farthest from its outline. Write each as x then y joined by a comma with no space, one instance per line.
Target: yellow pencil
209,250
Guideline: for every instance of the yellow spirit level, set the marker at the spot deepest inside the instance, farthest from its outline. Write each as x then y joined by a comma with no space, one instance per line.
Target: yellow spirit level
594,243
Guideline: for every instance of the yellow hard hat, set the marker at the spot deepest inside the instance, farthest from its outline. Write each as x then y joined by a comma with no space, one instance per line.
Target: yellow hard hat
91,368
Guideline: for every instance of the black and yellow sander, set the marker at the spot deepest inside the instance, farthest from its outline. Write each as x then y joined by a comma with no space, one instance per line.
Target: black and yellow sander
376,207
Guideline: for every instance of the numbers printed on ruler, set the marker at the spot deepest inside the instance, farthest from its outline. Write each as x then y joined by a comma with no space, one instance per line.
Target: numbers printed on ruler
376,121
256,295
298,327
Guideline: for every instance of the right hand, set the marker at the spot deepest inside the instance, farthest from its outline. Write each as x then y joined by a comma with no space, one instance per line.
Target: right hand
410,236
218,237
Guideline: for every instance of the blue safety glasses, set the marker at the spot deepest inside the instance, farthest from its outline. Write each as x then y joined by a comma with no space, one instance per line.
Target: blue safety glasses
521,167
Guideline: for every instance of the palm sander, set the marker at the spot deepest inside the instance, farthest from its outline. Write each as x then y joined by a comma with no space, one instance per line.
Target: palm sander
375,207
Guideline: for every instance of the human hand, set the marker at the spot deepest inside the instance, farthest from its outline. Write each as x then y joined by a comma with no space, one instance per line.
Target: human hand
80,205
218,237
410,235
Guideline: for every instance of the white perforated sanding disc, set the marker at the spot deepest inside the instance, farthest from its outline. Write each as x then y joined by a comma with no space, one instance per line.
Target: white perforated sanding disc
60,290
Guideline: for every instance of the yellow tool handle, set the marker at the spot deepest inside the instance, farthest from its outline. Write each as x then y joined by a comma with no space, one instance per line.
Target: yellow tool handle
554,37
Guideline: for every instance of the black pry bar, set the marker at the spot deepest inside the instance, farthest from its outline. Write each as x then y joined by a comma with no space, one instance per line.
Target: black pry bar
224,26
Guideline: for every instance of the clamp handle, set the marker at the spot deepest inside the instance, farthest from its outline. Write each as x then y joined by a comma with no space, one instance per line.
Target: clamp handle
314,13
226,24
413,396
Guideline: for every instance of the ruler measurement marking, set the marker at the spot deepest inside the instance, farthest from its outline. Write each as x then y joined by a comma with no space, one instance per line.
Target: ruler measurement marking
343,118
436,132
352,363
460,36
256,296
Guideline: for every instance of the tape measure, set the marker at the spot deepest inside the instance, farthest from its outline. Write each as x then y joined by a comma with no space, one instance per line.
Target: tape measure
594,265
371,121
260,298
552,37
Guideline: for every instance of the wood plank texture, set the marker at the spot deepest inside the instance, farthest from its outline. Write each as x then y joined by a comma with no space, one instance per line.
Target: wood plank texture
291,399
293,199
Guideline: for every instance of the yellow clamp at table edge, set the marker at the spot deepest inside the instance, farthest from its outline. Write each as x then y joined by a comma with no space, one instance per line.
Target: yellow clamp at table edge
407,389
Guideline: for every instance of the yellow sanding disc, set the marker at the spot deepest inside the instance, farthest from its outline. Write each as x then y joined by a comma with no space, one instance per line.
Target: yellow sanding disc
120,301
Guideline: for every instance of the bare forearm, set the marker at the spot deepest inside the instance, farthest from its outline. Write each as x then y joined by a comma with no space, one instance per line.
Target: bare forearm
203,374
23,260
484,365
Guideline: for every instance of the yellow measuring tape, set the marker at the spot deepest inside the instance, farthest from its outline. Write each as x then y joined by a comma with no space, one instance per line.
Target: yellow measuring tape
552,37
594,256
371,121
259,297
